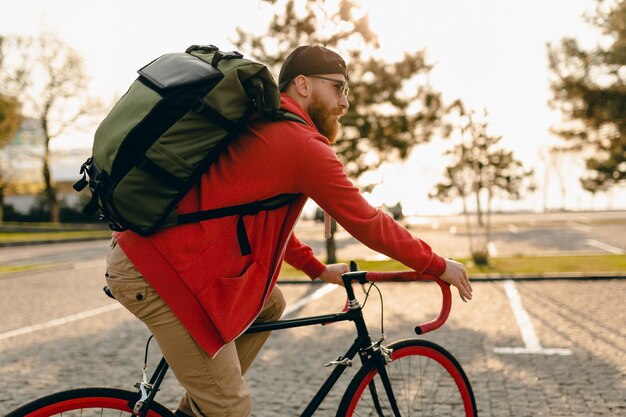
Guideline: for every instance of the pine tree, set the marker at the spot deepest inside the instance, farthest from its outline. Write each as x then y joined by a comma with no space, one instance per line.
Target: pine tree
387,117
589,87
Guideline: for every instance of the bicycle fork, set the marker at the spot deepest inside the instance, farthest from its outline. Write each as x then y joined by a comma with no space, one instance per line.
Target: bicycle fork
382,371
380,356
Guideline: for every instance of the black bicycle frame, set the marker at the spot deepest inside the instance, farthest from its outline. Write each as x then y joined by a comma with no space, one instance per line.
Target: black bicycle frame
363,345
369,352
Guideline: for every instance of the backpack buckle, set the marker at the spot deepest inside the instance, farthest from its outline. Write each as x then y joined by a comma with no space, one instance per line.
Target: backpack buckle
204,48
219,55
84,171
116,227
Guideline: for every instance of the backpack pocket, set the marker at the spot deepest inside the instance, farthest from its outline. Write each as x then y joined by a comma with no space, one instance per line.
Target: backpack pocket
169,161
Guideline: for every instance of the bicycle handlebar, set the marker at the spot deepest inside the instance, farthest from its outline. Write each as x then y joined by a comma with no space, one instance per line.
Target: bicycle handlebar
405,276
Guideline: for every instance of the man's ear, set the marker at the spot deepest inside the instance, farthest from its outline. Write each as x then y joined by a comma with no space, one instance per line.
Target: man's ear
302,85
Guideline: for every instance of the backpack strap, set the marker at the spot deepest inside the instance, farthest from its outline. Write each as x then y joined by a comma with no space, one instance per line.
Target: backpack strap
241,210
248,208
282,114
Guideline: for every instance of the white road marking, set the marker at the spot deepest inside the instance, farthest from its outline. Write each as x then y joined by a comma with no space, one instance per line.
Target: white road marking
605,246
526,351
529,336
512,229
316,295
59,322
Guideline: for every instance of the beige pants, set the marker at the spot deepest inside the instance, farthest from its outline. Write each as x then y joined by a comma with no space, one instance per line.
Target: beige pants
214,387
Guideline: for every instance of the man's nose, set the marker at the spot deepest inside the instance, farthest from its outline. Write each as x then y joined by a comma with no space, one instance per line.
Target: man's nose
344,103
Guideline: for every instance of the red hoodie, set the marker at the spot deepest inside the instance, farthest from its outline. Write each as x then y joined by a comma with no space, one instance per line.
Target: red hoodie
198,268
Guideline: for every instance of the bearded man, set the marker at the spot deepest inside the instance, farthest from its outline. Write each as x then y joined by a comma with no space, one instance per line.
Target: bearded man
193,286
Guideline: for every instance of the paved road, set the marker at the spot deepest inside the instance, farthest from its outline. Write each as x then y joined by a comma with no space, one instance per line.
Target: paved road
104,346
563,233
512,235
40,353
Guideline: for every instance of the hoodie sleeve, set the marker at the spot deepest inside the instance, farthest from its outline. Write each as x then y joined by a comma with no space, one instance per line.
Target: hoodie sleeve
301,257
320,175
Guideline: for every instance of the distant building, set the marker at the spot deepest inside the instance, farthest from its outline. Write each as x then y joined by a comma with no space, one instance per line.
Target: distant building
21,166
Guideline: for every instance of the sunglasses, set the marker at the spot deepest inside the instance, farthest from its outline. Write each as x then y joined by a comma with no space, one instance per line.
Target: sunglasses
341,85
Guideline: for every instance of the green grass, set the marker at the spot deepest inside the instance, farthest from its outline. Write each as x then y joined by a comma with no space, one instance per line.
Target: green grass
555,264
509,265
502,265
25,268
13,237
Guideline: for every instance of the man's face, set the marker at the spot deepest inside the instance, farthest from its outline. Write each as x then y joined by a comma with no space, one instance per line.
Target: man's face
328,104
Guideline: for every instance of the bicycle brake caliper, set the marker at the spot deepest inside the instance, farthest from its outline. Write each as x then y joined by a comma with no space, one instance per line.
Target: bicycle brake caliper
378,346
144,387
386,353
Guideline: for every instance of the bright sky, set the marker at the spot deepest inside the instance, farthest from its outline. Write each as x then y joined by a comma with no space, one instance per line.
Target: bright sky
489,53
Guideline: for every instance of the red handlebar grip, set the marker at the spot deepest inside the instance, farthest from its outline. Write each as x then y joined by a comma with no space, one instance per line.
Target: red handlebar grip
446,305
407,276
400,276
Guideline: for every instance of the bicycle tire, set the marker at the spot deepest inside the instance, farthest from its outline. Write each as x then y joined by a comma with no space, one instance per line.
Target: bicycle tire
426,380
87,402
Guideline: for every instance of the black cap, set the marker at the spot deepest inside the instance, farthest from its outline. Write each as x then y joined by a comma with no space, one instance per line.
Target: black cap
310,60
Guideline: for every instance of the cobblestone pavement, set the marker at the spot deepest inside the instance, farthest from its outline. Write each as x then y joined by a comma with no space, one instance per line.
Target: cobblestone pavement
107,349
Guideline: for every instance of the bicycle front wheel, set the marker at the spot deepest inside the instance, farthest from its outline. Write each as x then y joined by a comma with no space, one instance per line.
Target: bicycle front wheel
88,402
426,381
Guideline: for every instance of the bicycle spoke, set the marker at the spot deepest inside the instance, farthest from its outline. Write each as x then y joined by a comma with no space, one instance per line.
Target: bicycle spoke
424,379
418,389
404,382
427,388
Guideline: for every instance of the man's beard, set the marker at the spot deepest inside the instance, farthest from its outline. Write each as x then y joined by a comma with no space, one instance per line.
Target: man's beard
324,118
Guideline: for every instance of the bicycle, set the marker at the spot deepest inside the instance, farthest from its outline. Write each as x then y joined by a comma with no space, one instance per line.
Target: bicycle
407,377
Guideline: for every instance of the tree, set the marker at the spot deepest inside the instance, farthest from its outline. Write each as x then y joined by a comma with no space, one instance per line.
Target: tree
47,77
10,121
589,89
479,170
392,107
10,118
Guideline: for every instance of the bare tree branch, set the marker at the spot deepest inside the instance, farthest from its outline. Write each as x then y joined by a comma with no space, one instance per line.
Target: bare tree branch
48,77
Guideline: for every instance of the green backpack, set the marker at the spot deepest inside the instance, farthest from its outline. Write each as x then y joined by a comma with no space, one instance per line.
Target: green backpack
163,134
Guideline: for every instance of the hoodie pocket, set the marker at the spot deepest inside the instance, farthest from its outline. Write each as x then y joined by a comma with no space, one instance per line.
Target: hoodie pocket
233,303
